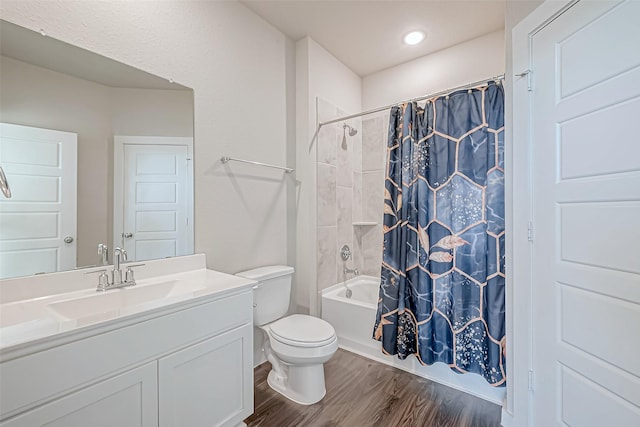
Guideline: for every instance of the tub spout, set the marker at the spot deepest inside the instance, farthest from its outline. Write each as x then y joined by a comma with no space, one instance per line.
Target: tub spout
351,270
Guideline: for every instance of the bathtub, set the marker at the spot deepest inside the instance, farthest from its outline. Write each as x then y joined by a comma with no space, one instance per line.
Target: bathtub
353,319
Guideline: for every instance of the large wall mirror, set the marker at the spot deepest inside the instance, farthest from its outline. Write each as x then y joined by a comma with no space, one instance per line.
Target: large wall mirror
95,153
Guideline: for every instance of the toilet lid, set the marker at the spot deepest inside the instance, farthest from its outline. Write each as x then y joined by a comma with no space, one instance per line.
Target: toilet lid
302,330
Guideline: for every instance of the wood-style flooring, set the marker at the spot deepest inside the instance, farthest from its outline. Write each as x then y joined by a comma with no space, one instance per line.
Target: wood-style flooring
362,393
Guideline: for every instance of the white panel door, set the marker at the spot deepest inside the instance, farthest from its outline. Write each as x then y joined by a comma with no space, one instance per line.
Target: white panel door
586,214
156,220
41,168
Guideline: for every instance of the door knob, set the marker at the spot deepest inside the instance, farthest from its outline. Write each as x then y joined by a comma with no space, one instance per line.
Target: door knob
127,235
68,239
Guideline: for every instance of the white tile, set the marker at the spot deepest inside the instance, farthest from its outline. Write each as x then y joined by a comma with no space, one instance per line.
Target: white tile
357,197
326,257
384,131
345,228
357,149
344,199
372,250
373,143
344,148
326,195
372,196
356,249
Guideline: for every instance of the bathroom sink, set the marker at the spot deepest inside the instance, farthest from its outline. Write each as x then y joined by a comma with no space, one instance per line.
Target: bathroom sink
23,320
14,314
109,304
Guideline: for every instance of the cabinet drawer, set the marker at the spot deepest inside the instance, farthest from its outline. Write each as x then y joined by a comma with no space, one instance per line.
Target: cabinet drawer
34,379
126,400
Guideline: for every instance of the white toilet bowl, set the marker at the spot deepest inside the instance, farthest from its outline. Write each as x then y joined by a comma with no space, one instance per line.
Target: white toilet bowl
298,346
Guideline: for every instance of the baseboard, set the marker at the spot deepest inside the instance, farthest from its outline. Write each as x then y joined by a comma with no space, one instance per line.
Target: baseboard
506,419
257,361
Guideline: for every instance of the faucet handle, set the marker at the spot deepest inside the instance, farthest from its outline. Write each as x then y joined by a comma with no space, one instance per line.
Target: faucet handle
128,274
103,279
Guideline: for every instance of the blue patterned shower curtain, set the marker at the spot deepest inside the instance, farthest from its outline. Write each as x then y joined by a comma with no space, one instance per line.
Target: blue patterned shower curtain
442,282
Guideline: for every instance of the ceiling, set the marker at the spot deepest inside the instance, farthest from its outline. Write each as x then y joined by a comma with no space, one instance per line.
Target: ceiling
31,47
366,35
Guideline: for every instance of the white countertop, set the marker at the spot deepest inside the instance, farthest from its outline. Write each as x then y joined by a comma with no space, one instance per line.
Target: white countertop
56,308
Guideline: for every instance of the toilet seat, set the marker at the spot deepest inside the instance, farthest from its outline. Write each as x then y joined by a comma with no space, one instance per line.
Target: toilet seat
299,330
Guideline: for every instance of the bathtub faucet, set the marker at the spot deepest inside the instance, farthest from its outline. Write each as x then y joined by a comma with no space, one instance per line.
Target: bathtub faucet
349,270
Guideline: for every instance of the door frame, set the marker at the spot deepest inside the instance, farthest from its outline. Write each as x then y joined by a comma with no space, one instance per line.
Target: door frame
119,141
518,409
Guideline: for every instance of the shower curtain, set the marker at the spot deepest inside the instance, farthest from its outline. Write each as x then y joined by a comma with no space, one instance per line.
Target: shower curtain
442,283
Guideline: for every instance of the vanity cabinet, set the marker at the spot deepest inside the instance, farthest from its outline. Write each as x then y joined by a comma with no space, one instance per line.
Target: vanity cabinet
186,365
207,381
126,400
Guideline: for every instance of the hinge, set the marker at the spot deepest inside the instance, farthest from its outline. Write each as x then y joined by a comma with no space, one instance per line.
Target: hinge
531,380
530,231
529,74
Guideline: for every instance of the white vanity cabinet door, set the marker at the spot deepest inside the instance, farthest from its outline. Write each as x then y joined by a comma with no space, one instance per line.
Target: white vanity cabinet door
126,400
209,383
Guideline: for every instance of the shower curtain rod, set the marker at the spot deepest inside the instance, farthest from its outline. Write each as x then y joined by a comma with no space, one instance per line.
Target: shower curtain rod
420,98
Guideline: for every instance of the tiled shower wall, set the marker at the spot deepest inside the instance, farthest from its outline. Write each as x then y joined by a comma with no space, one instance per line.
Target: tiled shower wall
368,238
350,187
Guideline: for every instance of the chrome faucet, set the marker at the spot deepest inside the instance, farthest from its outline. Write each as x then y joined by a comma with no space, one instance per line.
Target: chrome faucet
103,251
119,255
116,275
350,270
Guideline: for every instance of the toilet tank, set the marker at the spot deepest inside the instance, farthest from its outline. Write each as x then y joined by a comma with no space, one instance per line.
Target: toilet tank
271,295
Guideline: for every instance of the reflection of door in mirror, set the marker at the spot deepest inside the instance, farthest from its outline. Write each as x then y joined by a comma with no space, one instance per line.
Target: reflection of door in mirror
46,83
38,224
153,217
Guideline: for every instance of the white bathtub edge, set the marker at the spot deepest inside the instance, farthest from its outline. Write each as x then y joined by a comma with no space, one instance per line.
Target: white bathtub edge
327,292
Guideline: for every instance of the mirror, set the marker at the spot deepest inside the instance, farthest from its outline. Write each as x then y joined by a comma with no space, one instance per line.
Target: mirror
95,152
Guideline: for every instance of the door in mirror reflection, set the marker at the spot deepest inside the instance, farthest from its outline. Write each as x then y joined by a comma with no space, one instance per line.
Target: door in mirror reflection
38,223
156,193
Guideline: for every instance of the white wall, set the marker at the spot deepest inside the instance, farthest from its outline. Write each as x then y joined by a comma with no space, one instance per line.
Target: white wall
235,62
151,112
473,60
318,74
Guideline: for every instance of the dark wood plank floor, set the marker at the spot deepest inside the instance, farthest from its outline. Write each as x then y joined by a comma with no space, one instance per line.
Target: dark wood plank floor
362,393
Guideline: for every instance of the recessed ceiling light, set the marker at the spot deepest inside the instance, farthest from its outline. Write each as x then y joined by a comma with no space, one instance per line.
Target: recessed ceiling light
414,37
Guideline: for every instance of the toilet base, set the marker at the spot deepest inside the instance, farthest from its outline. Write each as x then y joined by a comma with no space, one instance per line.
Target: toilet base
302,384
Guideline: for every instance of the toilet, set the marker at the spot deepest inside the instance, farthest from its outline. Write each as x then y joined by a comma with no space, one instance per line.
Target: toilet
297,345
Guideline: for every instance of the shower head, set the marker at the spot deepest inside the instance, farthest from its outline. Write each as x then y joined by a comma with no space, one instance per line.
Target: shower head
352,131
